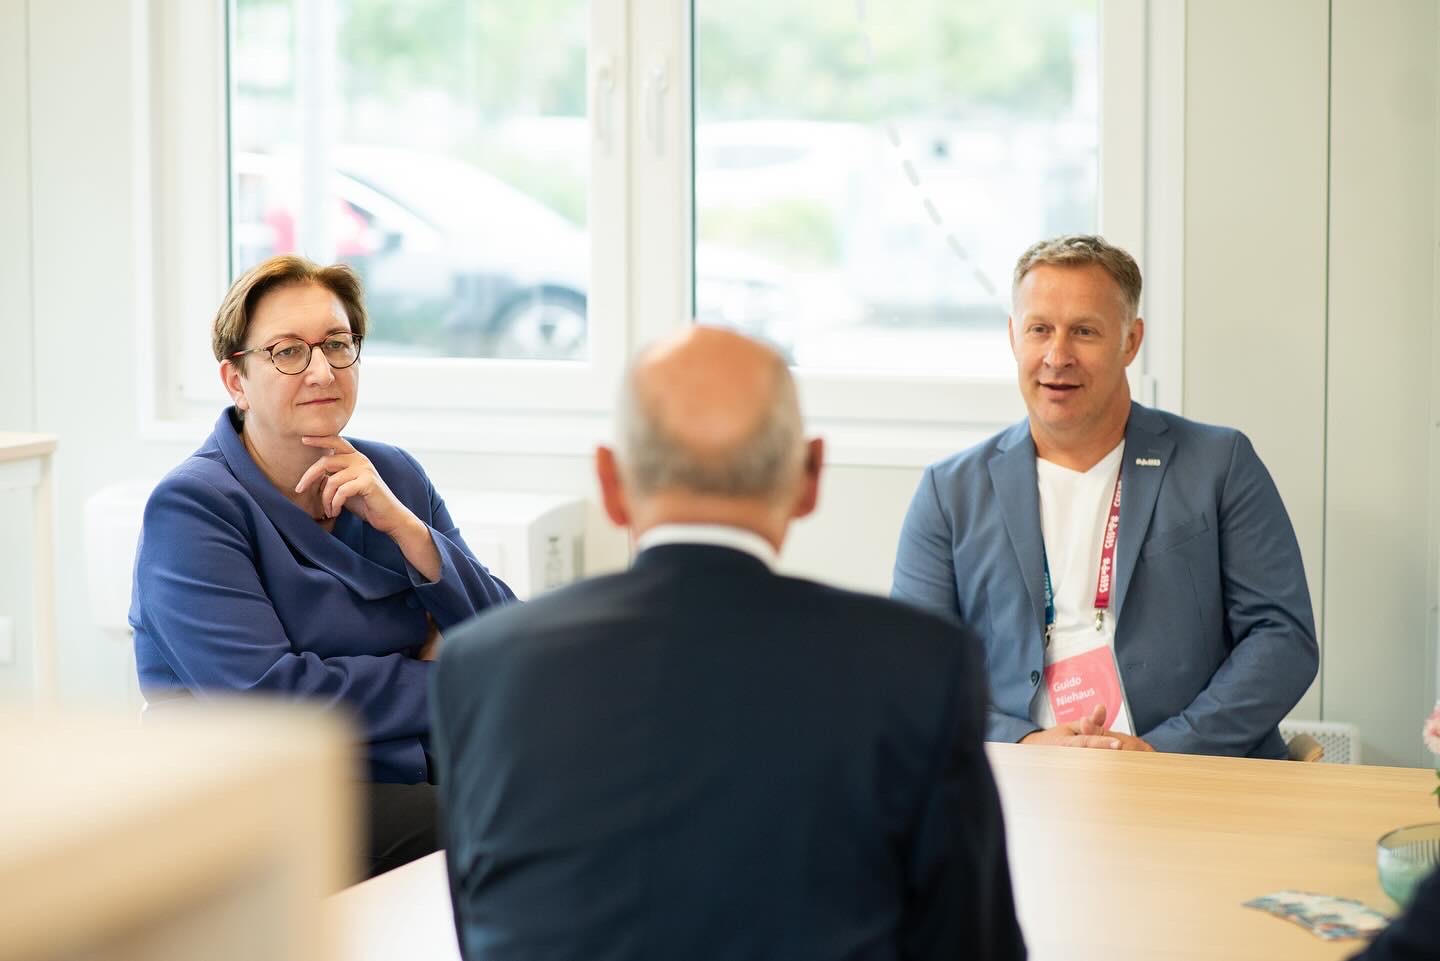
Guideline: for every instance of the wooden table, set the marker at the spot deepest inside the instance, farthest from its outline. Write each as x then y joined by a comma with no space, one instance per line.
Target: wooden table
402,914
1114,857
1117,855
25,464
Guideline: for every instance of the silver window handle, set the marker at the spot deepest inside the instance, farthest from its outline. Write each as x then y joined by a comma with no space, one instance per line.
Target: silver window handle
602,91
657,82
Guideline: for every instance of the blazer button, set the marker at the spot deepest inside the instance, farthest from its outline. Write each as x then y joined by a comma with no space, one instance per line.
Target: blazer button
1034,678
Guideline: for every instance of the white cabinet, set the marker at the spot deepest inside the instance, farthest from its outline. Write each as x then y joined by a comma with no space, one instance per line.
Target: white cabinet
25,465
532,542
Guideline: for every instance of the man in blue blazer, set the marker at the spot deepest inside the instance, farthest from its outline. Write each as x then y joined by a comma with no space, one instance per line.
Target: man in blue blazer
700,757
1133,574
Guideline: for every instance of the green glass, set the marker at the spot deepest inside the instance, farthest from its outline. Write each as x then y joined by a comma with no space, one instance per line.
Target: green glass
1405,857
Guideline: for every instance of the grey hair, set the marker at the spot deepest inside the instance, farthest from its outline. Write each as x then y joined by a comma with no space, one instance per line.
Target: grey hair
761,465
1079,250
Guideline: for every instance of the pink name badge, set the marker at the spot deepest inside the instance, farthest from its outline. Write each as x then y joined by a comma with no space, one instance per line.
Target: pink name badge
1078,683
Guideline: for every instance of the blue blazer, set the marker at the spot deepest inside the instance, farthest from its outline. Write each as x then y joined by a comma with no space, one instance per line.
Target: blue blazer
699,758
237,589
1214,638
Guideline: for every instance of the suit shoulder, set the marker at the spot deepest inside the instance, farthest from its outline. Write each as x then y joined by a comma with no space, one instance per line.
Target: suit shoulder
202,477
532,623
973,460
1187,431
883,620
899,647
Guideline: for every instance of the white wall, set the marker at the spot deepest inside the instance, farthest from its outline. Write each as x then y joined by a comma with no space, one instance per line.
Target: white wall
16,399
1310,316
1269,203
83,321
1380,478
1255,183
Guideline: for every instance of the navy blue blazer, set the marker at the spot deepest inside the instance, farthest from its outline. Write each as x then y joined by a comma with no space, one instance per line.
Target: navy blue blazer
237,589
699,758
1415,935
1215,638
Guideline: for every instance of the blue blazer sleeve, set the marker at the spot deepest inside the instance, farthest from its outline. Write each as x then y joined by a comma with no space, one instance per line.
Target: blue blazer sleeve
925,578
924,560
1274,655
208,612
464,586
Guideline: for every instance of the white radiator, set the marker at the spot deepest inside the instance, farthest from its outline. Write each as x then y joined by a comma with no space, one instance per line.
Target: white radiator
1341,741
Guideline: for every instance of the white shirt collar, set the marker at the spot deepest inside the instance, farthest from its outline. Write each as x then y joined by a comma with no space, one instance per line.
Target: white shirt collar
716,535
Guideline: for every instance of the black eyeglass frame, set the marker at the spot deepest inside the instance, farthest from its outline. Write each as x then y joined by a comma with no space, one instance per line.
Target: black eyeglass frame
310,354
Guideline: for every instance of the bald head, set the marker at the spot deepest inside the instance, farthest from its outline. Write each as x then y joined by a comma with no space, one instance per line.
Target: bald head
710,412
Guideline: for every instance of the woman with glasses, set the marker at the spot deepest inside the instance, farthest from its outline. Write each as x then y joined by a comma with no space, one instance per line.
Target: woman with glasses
283,558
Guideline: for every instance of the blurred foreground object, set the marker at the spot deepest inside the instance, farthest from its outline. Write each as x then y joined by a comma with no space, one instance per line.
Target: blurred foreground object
216,832
26,464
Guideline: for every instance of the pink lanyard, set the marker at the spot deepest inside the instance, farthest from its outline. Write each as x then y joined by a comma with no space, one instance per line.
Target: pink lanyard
1107,570
1107,559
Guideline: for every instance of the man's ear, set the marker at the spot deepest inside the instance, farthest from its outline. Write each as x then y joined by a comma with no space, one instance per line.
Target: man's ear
234,384
1134,339
810,478
612,490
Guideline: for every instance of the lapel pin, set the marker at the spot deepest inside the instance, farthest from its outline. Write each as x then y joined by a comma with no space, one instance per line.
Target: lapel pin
1147,462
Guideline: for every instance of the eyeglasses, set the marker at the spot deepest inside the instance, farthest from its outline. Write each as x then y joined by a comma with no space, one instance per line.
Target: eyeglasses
292,355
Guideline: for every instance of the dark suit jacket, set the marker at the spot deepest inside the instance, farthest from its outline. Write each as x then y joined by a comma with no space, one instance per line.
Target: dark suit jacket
699,758
1415,935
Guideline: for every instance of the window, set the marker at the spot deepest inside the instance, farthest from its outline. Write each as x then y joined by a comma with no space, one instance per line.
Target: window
532,190
863,189
439,148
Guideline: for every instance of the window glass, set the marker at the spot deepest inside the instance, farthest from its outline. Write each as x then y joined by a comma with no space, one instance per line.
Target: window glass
867,173
437,146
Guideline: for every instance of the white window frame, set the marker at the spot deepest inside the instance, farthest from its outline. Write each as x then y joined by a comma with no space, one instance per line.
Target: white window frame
641,259
447,403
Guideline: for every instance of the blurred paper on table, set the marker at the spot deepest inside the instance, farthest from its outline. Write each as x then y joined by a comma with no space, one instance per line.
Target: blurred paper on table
1328,918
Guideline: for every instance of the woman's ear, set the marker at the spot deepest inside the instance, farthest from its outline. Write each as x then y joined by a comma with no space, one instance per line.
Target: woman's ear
234,384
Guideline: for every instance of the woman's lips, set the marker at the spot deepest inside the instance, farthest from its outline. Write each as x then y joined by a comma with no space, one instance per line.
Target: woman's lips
322,400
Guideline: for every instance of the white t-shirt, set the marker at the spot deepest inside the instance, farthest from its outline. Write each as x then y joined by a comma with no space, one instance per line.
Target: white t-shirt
1074,507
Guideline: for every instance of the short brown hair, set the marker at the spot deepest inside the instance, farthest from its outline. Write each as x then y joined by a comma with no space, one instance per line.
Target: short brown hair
232,320
1079,250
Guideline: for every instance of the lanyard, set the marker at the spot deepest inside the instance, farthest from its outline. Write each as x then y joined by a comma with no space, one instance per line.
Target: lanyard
1106,578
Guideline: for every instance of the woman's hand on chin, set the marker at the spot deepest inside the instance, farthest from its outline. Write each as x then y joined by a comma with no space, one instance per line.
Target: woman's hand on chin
349,480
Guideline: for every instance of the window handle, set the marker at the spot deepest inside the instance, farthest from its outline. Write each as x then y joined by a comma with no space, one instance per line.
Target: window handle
603,88
657,82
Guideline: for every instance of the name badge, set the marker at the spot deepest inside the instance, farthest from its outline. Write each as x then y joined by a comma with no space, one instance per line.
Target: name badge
1077,684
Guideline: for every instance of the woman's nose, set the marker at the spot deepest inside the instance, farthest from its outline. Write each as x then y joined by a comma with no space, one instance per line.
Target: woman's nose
318,371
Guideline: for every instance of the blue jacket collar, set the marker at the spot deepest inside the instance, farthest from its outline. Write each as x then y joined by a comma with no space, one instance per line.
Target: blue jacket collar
337,553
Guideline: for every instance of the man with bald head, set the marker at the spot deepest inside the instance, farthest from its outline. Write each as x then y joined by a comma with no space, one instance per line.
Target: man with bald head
702,758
